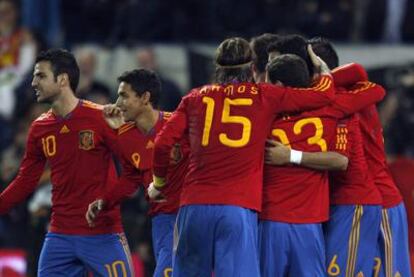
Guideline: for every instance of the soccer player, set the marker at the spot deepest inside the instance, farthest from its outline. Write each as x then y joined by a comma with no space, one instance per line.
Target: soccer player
291,237
354,191
259,46
74,139
138,94
227,124
291,44
393,240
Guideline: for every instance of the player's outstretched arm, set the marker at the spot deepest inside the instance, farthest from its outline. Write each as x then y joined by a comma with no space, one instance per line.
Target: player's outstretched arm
170,134
349,74
279,154
360,96
113,116
126,185
28,177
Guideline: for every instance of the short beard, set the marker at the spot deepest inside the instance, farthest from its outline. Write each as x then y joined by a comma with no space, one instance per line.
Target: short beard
49,100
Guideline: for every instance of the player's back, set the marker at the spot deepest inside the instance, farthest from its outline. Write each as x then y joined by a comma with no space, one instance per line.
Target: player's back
228,126
296,194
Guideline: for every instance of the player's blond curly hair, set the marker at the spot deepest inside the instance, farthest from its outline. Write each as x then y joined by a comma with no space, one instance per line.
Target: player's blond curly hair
233,61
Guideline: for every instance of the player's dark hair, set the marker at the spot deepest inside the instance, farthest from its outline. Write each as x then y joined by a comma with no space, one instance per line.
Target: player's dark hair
233,61
289,69
259,46
325,50
61,61
142,80
293,44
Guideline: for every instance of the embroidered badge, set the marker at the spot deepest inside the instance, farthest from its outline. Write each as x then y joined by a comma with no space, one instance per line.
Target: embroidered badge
86,141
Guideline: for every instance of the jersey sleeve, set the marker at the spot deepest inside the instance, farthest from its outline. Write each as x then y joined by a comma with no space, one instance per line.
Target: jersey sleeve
361,95
171,133
126,185
130,179
110,136
27,178
185,147
349,74
301,99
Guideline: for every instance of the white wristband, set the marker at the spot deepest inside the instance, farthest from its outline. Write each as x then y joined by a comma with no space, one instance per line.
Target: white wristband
295,156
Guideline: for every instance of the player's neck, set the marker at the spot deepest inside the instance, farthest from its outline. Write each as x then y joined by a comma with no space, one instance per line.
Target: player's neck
260,78
65,104
147,120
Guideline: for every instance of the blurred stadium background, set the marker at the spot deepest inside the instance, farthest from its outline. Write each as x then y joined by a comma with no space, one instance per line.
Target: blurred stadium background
178,38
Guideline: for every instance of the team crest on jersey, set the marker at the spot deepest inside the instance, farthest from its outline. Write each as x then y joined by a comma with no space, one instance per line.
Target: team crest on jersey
86,141
176,154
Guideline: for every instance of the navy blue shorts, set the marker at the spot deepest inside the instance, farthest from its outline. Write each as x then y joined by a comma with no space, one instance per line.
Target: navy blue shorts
215,238
162,240
291,249
393,258
74,255
351,236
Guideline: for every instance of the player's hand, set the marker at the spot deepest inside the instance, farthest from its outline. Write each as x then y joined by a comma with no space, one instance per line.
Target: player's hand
113,116
155,195
94,209
320,67
277,153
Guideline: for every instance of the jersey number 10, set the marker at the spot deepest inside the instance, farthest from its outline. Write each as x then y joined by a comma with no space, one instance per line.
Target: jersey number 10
49,145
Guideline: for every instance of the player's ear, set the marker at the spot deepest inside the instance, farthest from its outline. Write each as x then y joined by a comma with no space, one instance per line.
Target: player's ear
63,79
146,97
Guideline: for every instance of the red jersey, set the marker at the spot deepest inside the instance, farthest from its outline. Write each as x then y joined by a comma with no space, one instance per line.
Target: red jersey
77,149
355,185
135,151
373,142
296,194
227,126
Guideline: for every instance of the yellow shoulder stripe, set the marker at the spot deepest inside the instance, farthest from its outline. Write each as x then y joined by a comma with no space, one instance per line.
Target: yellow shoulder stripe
366,85
322,85
126,127
91,105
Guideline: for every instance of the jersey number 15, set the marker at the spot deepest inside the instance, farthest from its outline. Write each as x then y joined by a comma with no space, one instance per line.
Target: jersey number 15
227,118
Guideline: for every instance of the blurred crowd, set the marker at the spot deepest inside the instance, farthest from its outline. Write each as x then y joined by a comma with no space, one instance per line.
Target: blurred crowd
128,21
29,26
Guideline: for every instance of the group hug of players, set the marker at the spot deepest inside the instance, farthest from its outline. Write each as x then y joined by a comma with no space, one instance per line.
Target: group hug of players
276,169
